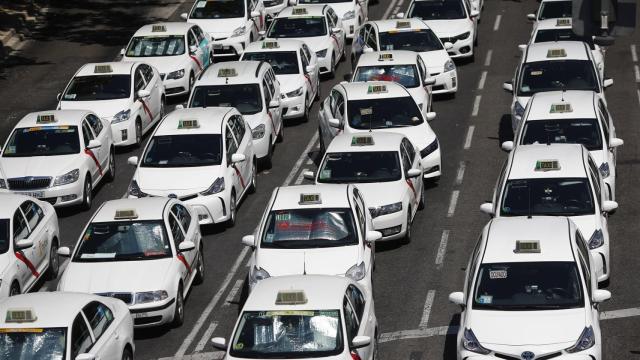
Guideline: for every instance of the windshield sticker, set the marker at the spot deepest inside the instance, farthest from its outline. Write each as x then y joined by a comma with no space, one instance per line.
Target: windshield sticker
283,217
10,150
201,4
98,256
498,274
70,96
269,238
290,313
325,174
485,299
366,111
21,330
155,253
238,346
171,47
536,72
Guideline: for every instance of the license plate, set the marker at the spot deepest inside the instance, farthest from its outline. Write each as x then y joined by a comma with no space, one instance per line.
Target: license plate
35,194
217,46
140,315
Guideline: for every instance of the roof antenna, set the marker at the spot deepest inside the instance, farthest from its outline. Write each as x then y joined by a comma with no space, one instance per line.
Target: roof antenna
529,201
304,263
563,91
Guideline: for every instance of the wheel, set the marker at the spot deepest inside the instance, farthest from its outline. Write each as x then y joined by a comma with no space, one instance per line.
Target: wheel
200,267
15,289
111,174
280,137
421,203
322,147
375,347
126,354
138,132
178,314
267,159
332,74
317,98
407,235
192,80
163,107
54,262
305,117
253,186
87,195
232,210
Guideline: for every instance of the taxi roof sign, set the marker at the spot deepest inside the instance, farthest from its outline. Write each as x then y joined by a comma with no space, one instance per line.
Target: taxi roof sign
376,89
385,57
46,119
291,297
188,124
362,140
547,165
563,22
126,214
227,72
310,199
270,45
102,69
299,11
556,53
403,24
20,315
158,28
527,246
560,108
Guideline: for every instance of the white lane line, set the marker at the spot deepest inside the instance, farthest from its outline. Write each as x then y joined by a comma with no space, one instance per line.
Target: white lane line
298,163
634,53
310,161
460,174
426,311
638,92
496,25
483,78
214,301
636,69
300,178
467,140
453,203
442,249
207,335
418,333
487,60
476,105
388,11
234,291
622,313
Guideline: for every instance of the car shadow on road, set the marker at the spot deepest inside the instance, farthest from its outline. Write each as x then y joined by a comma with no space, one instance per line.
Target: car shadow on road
505,131
451,342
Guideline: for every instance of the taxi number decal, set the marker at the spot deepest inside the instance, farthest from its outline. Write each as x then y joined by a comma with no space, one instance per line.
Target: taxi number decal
290,313
498,274
21,330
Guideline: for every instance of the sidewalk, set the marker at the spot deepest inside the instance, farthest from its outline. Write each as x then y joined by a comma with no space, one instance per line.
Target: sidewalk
17,19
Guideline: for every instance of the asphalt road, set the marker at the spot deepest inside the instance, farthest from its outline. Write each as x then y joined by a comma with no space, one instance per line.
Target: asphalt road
411,282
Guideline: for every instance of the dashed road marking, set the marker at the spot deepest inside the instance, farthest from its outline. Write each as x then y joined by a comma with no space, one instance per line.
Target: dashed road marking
300,178
483,78
476,105
388,11
426,311
207,335
638,92
634,53
618,314
298,163
234,291
460,174
442,249
467,140
453,203
636,69
496,25
487,60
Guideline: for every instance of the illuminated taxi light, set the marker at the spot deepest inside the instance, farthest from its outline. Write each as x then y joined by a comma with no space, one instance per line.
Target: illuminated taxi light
227,72
385,57
299,11
362,141
556,53
158,28
291,297
102,69
188,124
403,24
46,119
20,315
561,108
270,45
563,22
547,165
376,89
125,214
527,246
310,199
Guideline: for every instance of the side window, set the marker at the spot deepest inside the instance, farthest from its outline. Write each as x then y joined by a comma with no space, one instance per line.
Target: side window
95,123
306,50
330,23
238,127
32,212
267,92
80,337
582,245
147,72
472,264
183,216
595,179
361,219
333,100
350,319
339,111
176,231
422,69
406,162
87,133
587,274
333,17
371,41
198,34
357,300
99,317
192,39
138,81
411,151
305,62
270,82
230,142
605,120
20,228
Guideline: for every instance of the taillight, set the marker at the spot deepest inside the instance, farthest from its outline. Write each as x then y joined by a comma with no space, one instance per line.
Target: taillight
354,355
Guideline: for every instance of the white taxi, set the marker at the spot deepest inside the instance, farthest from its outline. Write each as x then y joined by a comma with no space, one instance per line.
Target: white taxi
387,169
296,69
252,88
523,275
572,117
232,24
301,317
128,95
401,66
146,252
413,35
318,26
552,9
58,156
553,66
557,180
180,51
380,106
351,12
61,325
453,21
29,243
203,157
313,229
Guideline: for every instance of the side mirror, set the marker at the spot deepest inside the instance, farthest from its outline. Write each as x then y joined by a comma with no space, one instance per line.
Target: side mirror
487,208
274,104
531,17
373,236
522,47
237,158
309,175
400,15
255,14
186,246
474,13
184,16
448,45
334,123
431,115
262,33
94,144
179,107
429,80
144,93
609,206
457,298
360,342
607,82
64,251
601,296
336,30
367,50
219,343
59,96
293,2
310,68
85,356
414,173
615,142
122,52
508,86
133,160
249,240
193,49
507,146
24,244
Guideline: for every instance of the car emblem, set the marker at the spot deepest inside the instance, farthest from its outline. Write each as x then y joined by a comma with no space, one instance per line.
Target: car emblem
527,355
173,196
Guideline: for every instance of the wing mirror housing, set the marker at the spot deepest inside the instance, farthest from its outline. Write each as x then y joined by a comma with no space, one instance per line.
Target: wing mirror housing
133,160
607,82
143,93
186,246
219,343
507,86
249,240
487,208
367,50
64,251
122,52
474,13
457,298
238,158
600,295
310,68
336,30
184,16
400,15
309,175
360,342
522,47
274,104
293,2
24,244
85,356
429,80
373,236
94,144
615,142
531,17
414,173
447,45
255,14
334,123
609,206
431,116
507,146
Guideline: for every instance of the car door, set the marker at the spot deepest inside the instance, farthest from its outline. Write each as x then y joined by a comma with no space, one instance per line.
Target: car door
271,113
353,328
95,154
311,59
237,126
233,170
81,339
408,154
154,86
274,88
183,217
338,38
186,258
144,111
38,233
367,325
27,272
608,130
103,333
101,135
203,46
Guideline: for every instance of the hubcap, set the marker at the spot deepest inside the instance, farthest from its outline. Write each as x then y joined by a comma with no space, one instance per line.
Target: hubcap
138,133
180,306
254,176
87,192
112,164
233,208
53,262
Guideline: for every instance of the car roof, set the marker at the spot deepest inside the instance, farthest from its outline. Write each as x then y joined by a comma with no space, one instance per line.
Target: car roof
382,141
246,72
392,24
164,28
283,45
311,10
331,196
116,68
360,90
581,102
322,292
62,118
575,50
10,202
148,208
554,234
209,121
570,159
52,309
388,58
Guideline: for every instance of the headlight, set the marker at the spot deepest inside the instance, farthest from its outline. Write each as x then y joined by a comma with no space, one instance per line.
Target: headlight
258,131
449,65
176,74
151,296
321,53
472,344
239,31
3,185
596,240
294,93
349,15
68,178
385,209
356,272
215,188
134,190
429,149
121,116
586,340
463,35
604,170
257,274
518,109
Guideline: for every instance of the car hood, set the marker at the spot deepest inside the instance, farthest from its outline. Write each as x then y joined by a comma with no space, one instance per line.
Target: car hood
342,8
587,224
179,181
324,261
254,119
121,276
290,82
164,64
420,135
38,165
598,157
103,108
523,100
219,28
448,28
435,60
382,193
315,43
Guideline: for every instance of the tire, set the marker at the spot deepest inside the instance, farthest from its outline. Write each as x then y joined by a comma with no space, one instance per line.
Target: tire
15,289
267,160
232,209
317,98
421,203
321,140
127,354
280,137
178,313
332,73
87,194
54,261
111,175
253,186
407,236
138,132
200,267
307,110
192,81
163,108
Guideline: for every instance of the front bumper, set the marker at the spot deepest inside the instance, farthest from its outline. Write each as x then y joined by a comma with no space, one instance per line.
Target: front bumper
446,82
153,314
58,196
261,145
211,209
324,64
293,108
432,165
461,48
392,226
175,87
473,356
124,132
229,47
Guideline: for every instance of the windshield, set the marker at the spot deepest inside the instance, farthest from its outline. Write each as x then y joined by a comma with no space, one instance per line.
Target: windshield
183,151
5,238
43,141
548,196
143,46
288,334
33,344
561,35
556,75
384,113
297,27
360,167
100,87
555,9
528,286
572,131
407,75
246,98
414,40
323,1
309,228
282,62
122,241
218,9
437,10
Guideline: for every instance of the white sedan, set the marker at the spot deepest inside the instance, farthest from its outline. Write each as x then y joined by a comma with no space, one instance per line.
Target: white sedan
352,12
146,252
